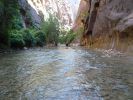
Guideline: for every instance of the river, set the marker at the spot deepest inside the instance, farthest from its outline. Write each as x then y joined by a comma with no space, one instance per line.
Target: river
65,73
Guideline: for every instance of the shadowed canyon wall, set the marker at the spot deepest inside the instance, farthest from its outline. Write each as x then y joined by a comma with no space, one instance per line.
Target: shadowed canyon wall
108,24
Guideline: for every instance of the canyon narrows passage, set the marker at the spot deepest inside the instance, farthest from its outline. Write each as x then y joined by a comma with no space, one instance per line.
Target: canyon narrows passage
66,49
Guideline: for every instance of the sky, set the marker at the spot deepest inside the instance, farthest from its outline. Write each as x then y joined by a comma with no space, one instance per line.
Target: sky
74,5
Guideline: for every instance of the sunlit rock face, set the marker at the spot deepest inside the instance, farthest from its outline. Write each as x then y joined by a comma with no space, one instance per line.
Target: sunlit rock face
81,14
39,10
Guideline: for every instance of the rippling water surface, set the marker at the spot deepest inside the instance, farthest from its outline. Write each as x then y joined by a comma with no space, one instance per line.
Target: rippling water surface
65,74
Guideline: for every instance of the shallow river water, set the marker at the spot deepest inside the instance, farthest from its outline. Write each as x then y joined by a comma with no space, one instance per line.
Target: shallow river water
65,73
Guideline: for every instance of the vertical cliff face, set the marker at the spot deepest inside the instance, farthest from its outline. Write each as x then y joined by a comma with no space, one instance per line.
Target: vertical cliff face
40,9
109,24
81,14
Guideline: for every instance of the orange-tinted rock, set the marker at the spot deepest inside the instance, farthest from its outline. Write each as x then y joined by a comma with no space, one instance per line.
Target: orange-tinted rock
109,24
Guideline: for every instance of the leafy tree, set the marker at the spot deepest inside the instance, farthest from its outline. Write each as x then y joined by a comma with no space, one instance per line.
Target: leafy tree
51,28
67,37
40,38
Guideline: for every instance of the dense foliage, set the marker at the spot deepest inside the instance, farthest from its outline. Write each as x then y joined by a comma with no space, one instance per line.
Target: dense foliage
16,39
67,37
40,38
10,19
47,34
52,30
14,34
28,37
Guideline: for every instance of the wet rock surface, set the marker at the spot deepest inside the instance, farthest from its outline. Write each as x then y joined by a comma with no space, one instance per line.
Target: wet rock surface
65,74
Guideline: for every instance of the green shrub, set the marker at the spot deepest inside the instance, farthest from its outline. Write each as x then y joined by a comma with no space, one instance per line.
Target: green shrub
40,38
67,38
16,39
62,39
28,36
70,37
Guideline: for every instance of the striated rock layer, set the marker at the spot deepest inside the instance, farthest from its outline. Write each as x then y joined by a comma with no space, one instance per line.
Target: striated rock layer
109,24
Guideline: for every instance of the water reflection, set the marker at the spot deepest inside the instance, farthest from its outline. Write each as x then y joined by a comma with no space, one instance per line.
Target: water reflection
65,74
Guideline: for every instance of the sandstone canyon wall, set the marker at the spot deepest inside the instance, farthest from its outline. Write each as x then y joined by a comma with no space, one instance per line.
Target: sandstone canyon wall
39,10
109,24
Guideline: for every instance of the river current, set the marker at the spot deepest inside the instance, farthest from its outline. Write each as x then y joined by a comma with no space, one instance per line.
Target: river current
65,73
